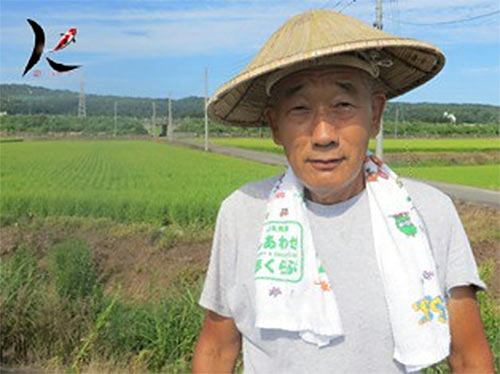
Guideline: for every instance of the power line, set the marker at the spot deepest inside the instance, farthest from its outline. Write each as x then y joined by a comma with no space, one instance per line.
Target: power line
329,1
452,22
394,6
347,6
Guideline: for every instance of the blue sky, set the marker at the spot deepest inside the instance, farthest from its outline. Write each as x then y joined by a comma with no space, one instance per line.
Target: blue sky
157,48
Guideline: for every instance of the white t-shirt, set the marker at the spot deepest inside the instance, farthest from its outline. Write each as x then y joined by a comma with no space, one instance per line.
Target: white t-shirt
343,239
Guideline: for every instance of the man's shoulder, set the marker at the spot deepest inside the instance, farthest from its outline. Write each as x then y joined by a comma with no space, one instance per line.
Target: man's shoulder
425,190
251,193
428,198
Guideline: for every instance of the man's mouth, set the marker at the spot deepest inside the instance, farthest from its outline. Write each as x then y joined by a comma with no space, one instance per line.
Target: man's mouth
325,164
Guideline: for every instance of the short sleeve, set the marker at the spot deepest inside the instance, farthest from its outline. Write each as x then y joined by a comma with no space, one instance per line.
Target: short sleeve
214,294
461,268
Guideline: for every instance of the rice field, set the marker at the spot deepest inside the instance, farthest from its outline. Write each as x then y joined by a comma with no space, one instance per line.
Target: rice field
10,140
127,181
390,145
141,181
481,176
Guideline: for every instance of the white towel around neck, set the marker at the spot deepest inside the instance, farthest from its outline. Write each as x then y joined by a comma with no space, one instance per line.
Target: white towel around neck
292,288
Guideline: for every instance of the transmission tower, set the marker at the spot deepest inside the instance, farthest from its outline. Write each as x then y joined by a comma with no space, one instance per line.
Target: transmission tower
82,109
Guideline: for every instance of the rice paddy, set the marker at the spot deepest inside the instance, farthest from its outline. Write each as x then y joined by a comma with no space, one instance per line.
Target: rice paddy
390,145
127,181
481,176
60,314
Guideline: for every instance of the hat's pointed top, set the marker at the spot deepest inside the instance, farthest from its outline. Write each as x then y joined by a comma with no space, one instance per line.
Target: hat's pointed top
312,31
306,39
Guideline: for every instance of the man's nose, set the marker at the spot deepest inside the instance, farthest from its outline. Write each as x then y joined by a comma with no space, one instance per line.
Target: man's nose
324,131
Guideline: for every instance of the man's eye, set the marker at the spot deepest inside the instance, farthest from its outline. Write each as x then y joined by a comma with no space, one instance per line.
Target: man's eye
298,109
343,104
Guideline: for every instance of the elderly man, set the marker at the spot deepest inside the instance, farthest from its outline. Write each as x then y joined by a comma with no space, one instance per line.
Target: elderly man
338,265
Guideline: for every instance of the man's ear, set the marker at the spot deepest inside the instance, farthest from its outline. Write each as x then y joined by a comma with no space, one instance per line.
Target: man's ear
270,116
378,106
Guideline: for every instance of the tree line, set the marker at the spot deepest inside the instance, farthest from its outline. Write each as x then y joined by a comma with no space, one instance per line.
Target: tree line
25,99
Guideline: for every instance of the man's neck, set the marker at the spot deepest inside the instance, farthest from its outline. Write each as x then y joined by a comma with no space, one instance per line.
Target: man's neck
335,197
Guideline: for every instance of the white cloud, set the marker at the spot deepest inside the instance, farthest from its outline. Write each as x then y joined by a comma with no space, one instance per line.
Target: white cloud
242,26
481,70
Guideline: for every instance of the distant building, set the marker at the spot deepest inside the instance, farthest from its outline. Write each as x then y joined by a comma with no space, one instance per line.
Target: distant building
450,116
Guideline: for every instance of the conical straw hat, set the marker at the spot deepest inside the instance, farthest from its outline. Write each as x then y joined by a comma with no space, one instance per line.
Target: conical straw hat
309,39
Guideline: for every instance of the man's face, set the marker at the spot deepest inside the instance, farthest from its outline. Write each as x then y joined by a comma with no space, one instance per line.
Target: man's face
324,119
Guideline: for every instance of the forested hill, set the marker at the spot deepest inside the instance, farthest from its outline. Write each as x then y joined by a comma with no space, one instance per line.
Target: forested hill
25,99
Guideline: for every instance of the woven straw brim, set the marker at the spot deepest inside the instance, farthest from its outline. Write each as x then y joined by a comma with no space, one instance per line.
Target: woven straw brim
241,101
306,40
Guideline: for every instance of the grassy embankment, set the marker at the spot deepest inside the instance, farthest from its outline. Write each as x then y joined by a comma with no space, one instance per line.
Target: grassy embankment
90,284
445,160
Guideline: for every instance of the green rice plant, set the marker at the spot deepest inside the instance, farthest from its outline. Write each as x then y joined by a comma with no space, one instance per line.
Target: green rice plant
390,145
127,181
10,140
254,144
482,176
440,145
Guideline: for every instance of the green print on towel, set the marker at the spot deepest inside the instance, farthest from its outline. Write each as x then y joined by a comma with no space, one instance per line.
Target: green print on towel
280,255
404,223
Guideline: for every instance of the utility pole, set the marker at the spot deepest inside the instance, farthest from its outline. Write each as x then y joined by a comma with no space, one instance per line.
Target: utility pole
170,129
378,14
378,24
153,119
396,119
206,114
114,130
